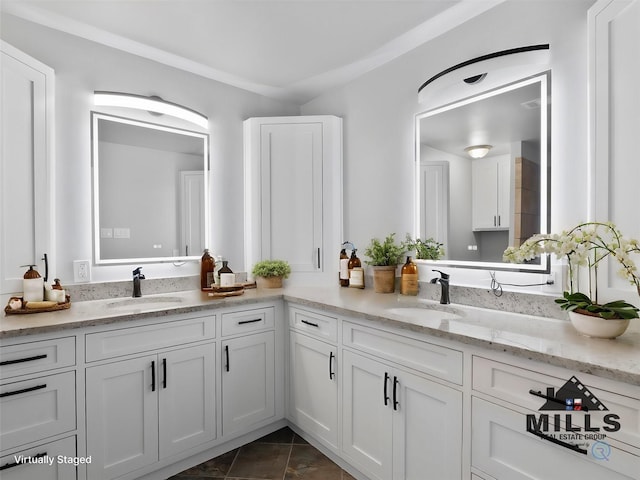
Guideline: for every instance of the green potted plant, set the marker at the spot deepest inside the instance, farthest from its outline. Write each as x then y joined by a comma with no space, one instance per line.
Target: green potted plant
269,273
587,245
384,258
427,249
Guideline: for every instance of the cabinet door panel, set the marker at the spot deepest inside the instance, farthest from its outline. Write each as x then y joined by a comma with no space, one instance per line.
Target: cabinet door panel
314,387
367,421
38,471
26,107
187,398
122,417
502,447
248,381
427,432
37,408
292,193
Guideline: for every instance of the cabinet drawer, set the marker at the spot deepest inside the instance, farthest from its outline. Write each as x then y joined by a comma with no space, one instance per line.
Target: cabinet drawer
247,321
125,341
54,453
34,357
37,408
501,447
441,362
316,324
512,384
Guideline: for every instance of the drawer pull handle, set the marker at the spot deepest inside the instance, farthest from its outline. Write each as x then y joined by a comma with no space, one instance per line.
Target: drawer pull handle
153,375
386,396
22,360
244,322
164,373
24,390
553,399
395,393
16,464
331,373
319,266
575,448
226,353
307,322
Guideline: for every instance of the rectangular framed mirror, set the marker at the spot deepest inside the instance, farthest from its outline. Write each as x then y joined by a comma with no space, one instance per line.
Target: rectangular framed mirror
150,191
482,174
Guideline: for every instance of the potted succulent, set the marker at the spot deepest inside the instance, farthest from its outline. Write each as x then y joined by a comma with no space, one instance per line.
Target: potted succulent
427,249
384,258
587,245
269,273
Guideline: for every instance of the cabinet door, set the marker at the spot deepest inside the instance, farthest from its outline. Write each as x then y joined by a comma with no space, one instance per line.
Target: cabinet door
314,387
367,415
292,193
26,110
187,398
248,381
427,430
122,416
293,183
13,469
484,187
503,211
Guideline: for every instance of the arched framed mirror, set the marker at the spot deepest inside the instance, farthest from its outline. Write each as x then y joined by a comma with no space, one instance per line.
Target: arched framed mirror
150,191
482,173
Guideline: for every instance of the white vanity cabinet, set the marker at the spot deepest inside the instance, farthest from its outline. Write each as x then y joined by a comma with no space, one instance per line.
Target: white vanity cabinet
293,183
37,403
154,402
313,375
491,193
248,370
575,444
399,424
27,143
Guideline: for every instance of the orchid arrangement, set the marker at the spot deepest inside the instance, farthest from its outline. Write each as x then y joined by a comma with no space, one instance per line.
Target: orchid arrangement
586,245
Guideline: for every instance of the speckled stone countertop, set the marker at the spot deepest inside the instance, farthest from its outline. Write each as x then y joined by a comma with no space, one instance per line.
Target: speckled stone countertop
552,341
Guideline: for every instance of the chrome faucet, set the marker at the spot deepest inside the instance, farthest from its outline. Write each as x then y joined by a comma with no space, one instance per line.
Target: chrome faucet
137,276
444,283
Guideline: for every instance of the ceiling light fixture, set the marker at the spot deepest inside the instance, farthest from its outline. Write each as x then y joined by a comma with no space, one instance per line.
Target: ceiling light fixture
478,151
150,104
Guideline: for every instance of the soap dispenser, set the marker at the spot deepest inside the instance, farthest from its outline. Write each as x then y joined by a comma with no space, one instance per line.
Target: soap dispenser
32,285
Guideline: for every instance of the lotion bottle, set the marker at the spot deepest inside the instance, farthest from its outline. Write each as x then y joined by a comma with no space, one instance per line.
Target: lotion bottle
409,278
32,285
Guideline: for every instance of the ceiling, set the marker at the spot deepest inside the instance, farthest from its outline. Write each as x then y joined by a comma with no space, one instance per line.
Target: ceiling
291,50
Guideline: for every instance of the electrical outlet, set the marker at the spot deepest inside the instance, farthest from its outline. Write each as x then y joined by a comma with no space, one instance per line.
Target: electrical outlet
81,271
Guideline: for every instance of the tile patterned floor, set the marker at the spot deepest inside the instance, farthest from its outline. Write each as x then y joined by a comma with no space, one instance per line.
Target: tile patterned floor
281,455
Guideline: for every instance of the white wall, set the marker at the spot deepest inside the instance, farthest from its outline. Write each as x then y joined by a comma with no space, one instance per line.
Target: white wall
379,109
82,67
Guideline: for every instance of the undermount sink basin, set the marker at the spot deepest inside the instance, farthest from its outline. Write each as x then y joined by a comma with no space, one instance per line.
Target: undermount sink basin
423,315
147,303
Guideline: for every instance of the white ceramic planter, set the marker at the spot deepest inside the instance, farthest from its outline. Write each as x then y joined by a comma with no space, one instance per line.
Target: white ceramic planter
597,327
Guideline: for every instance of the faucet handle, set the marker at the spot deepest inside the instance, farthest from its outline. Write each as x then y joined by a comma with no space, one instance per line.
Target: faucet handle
444,276
137,273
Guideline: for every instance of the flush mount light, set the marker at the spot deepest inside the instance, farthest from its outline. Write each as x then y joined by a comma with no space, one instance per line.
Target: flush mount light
150,104
478,151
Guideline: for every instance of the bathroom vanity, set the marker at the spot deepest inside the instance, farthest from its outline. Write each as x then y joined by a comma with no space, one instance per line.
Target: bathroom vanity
390,387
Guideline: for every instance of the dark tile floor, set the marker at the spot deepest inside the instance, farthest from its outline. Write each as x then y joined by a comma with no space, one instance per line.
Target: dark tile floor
281,455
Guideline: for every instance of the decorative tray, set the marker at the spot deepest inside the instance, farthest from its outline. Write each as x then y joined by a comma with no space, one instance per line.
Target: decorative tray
26,310
230,288
220,294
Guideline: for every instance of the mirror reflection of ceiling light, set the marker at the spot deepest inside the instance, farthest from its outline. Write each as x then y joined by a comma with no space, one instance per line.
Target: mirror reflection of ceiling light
478,151
150,104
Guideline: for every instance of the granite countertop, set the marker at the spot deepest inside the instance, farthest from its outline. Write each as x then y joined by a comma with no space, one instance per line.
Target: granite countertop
551,341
